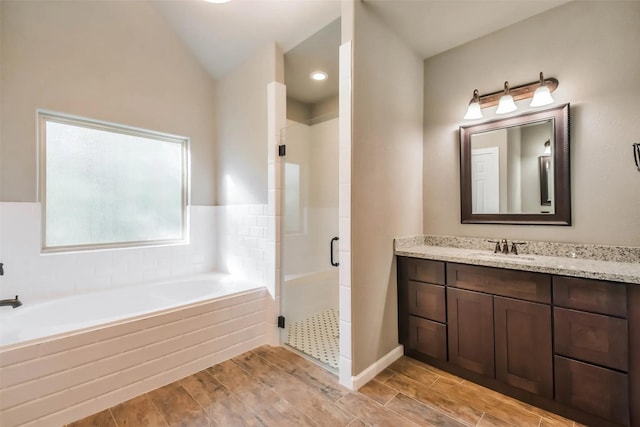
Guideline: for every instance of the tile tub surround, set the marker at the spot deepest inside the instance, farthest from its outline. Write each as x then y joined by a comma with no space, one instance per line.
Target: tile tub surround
231,239
242,243
36,277
613,263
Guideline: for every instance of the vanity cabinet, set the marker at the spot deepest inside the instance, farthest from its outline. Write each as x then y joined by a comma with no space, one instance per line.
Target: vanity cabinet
591,343
471,337
594,296
524,356
522,285
593,389
422,300
497,334
559,342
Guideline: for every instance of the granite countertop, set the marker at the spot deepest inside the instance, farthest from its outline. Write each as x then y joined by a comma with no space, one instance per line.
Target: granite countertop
618,264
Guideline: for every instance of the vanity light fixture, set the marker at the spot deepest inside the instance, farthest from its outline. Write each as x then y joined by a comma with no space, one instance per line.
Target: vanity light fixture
542,95
474,111
547,148
543,87
506,103
318,76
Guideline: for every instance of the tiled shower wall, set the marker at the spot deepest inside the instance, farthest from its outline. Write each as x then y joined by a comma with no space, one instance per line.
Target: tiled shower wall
242,241
222,238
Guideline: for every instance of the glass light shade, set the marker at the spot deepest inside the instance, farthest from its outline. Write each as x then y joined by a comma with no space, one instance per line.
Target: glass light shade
547,148
542,96
474,111
506,105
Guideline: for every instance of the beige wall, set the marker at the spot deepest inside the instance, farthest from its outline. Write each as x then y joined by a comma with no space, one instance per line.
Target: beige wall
321,111
298,111
241,117
386,183
592,49
112,61
325,109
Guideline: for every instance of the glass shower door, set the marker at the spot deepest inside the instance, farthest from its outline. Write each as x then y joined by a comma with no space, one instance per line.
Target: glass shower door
310,228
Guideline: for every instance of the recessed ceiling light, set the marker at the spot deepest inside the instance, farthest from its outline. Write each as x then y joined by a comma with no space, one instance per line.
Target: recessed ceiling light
217,1
319,75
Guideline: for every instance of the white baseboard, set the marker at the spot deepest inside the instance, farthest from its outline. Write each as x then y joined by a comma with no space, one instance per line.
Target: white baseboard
368,374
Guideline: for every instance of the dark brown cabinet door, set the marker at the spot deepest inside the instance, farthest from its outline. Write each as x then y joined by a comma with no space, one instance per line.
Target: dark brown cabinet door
523,285
418,298
470,330
599,391
426,300
590,295
424,270
428,337
593,338
524,354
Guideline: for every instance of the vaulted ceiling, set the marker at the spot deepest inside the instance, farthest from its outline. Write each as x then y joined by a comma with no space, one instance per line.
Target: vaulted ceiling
222,36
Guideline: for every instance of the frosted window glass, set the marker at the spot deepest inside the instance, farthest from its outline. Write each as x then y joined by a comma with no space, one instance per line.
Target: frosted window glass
105,187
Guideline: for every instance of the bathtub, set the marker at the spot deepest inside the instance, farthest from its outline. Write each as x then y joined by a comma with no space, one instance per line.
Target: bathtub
67,358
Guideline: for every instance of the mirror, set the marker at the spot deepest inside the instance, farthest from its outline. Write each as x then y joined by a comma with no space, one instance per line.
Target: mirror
516,170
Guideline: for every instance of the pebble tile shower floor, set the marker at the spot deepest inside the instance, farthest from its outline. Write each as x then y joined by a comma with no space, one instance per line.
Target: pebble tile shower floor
317,336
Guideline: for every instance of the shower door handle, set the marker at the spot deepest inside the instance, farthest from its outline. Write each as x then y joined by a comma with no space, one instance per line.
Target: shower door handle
334,263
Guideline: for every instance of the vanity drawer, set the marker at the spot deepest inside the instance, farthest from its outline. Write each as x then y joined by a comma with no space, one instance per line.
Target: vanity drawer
428,337
426,300
424,270
508,283
590,295
591,337
595,390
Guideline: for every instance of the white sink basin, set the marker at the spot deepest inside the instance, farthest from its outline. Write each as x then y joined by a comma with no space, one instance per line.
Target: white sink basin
503,257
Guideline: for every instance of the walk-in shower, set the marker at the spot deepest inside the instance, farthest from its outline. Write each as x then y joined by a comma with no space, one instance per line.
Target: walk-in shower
310,241
310,226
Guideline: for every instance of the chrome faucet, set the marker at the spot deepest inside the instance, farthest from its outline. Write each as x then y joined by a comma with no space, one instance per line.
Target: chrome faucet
13,302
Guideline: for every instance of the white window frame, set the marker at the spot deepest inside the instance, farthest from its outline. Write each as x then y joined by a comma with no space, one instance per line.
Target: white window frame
44,116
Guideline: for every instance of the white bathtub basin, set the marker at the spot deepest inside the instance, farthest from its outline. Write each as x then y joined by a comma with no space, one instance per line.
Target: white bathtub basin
46,318
60,359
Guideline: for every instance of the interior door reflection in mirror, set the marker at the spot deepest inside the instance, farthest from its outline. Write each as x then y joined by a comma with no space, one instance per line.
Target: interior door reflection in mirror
512,170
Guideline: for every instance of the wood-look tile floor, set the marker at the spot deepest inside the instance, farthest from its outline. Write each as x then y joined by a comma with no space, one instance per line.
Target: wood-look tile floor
272,386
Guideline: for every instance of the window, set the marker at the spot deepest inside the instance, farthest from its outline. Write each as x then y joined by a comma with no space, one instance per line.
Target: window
106,185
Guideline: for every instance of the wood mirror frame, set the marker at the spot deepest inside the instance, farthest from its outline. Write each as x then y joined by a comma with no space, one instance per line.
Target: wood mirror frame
562,181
